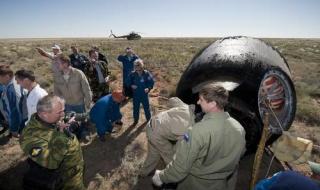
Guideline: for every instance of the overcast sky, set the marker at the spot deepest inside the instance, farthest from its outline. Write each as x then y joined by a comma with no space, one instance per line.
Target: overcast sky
161,18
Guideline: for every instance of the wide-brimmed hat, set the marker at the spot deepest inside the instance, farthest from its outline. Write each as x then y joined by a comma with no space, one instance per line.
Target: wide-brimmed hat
292,149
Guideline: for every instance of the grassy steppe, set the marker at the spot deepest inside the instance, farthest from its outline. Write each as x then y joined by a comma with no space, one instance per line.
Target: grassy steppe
167,59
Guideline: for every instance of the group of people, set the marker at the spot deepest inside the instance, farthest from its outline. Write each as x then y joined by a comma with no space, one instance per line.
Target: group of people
19,97
198,153
79,80
81,86
206,154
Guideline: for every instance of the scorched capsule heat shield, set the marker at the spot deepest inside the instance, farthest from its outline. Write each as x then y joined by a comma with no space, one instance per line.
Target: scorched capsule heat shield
257,76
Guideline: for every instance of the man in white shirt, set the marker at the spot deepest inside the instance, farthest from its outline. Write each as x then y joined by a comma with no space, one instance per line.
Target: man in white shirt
27,80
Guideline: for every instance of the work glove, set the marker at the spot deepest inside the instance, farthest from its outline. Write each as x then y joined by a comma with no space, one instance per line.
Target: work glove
156,178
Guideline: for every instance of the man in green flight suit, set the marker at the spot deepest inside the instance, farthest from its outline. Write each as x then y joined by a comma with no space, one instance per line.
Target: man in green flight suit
49,145
208,156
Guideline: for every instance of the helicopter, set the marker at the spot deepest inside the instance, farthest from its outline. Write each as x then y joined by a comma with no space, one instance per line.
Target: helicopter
131,36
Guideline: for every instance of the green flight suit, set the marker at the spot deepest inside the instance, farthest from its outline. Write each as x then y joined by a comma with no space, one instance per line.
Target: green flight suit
208,156
53,149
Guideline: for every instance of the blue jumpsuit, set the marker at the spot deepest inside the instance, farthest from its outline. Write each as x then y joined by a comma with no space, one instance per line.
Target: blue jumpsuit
104,113
127,67
11,106
287,180
139,95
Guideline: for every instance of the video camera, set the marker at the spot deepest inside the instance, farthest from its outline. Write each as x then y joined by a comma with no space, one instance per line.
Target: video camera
74,124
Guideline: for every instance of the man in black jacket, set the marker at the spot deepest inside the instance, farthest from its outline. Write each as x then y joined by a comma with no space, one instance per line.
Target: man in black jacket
101,57
78,60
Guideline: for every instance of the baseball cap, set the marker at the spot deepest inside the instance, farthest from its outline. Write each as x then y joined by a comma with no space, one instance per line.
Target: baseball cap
55,46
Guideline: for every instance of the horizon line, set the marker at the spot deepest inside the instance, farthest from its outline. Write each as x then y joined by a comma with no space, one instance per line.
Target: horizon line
157,37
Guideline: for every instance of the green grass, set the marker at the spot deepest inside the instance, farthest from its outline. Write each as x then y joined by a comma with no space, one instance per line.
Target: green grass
168,57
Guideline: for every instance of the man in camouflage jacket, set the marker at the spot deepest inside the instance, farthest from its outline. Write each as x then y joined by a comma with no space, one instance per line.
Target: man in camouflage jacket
98,76
48,143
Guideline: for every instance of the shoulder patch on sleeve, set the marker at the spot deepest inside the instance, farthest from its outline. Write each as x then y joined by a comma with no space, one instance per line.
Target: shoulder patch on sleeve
35,151
186,137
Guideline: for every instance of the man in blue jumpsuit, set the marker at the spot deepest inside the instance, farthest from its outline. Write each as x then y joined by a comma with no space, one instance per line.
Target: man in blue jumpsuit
141,82
127,67
106,112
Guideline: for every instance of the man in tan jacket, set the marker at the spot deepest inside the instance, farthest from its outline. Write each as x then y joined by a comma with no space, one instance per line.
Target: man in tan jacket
72,85
163,130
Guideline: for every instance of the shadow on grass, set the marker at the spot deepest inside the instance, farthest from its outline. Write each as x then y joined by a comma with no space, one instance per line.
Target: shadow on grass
11,179
4,140
4,134
102,157
244,172
99,157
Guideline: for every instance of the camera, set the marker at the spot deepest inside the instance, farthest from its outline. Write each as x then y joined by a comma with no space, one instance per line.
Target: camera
78,117
74,125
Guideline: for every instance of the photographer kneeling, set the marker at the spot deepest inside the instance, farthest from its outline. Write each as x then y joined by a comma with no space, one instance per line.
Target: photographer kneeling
54,154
